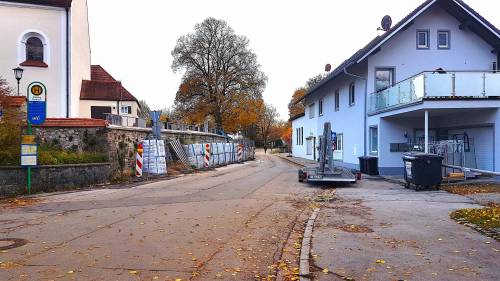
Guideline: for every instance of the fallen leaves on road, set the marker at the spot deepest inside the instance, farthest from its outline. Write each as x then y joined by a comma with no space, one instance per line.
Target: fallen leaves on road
484,218
19,202
352,228
468,189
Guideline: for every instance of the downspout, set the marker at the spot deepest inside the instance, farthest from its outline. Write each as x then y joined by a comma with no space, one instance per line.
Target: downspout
365,105
68,69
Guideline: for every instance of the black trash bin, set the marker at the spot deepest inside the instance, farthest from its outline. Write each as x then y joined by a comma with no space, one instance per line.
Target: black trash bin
368,165
372,165
423,170
362,164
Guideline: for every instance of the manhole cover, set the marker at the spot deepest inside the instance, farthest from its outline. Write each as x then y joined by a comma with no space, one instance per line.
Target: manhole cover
11,243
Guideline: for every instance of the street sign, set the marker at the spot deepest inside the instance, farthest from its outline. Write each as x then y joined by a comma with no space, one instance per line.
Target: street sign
37,103
155,117
29,151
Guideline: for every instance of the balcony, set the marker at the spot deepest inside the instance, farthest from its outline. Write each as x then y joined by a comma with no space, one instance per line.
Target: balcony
435,85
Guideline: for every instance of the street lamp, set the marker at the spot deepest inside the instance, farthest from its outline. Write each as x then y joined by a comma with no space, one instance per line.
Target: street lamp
18,72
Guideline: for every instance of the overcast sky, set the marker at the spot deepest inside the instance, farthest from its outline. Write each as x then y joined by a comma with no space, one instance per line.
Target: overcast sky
293,39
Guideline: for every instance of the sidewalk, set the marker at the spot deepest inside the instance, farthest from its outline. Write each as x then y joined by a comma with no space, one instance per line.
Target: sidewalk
377,230
297,160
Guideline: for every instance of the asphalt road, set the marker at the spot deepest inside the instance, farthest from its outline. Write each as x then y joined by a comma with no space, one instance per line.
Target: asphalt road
229,224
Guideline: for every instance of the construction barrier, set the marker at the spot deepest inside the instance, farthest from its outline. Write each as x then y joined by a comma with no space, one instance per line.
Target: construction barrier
209,155
138,161
154,154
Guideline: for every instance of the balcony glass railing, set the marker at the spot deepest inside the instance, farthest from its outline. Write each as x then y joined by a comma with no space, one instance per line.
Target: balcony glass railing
436,85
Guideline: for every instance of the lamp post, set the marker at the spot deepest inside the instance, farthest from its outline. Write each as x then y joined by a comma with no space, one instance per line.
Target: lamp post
18,72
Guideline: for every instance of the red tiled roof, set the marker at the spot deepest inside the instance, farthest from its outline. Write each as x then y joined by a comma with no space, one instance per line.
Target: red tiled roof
53,3
103,86
100,74
74,122
16,101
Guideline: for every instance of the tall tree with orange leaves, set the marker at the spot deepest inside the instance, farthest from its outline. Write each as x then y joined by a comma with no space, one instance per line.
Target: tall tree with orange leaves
221,79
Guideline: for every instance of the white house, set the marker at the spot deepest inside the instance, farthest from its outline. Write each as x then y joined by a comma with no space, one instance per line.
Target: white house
431,77
49,39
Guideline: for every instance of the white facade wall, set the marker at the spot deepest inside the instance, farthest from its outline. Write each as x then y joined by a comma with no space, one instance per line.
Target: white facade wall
85,107
467,51
347,121
16,21
299,150
80,52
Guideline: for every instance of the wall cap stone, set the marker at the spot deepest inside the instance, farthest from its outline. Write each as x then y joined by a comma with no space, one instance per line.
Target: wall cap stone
56,166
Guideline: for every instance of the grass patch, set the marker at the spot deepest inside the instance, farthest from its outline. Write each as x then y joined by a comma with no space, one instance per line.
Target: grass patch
468,189
484,218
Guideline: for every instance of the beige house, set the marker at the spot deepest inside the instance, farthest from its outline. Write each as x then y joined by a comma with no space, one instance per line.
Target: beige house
103,95
49,39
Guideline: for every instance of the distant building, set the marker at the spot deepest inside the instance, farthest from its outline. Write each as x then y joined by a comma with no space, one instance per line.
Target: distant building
432,77
102,95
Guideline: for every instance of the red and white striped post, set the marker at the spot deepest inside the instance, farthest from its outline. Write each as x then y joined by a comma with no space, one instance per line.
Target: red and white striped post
207,155
138,161
240,152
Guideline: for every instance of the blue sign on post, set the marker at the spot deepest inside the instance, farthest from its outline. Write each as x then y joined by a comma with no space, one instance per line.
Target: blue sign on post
155,117
37,103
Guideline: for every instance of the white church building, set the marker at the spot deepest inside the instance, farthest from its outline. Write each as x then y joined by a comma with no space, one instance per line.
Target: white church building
50,41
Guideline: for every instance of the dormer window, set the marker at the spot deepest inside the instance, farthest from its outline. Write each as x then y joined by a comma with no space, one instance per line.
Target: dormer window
422,39
34,49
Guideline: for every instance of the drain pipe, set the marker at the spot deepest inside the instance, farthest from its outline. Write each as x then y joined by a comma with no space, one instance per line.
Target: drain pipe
365,103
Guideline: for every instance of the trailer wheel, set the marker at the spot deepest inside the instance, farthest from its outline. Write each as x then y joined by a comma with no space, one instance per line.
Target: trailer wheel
301,176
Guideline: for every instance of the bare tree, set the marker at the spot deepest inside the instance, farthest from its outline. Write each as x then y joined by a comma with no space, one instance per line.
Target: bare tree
314,81
268,118
145,109
220,71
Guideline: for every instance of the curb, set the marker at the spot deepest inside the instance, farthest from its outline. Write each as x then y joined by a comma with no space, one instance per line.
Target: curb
305,250
291,161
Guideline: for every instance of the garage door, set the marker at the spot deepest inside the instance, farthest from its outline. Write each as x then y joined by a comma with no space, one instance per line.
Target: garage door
483,139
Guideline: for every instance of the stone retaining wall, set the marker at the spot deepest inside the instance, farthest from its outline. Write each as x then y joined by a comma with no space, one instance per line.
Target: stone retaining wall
118,142
53,178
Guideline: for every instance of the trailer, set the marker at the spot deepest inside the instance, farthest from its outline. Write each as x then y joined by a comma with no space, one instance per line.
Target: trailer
326,171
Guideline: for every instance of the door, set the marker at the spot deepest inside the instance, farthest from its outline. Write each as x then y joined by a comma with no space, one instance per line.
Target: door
99,112
309,146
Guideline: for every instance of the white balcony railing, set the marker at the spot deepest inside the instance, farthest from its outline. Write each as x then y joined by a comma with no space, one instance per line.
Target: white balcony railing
436,85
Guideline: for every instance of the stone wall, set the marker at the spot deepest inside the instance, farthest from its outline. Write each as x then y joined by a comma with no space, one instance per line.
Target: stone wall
53,178
122,143
118,142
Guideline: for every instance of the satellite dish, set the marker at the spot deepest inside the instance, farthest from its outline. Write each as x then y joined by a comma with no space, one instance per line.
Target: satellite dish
386,23
328,67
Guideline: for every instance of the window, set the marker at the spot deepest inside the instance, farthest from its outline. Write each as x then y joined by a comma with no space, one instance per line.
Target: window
373,140
352,94
337,100
126,109
299,136
320,107
311,111
443,39
34,49
422,39
384,78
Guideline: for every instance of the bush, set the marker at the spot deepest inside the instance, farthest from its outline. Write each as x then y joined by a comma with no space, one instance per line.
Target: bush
49,155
